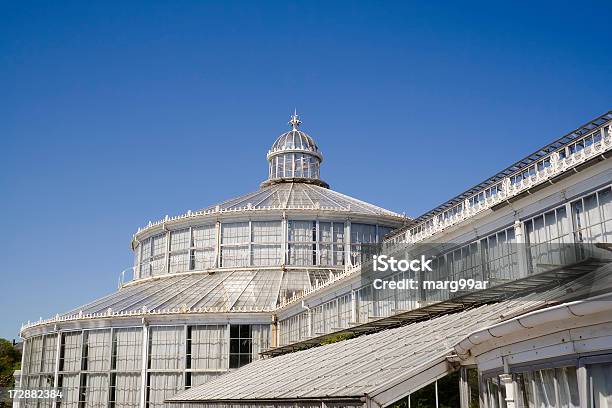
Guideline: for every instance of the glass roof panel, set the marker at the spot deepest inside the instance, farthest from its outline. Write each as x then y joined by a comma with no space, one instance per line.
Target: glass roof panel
262,292
302,195
250,289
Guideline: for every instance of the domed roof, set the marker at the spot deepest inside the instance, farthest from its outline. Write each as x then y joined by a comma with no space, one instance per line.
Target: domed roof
295,140
302,196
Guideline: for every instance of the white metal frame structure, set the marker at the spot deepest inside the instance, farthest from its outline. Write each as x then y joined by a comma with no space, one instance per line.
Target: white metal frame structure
197,278
263,260
571,204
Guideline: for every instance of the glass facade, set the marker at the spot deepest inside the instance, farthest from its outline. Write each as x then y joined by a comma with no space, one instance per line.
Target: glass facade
549,239
278,243
255,243
552,387
103,367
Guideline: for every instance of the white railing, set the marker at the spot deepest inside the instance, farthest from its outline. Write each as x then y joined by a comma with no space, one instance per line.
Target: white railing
558,162
250,208
141,312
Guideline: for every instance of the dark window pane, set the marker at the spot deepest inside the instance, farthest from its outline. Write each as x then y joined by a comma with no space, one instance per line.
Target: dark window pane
245,331
234,361
245,359
234,346
245,346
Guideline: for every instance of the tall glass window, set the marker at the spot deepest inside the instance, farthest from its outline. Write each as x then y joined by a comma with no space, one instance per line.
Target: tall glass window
548,236
166,347
551,387
331,243
361,234
235,240
592,217
166,363
600,376
203,252
501,256
241,345
95,361
145,258
267,241
207,348
158,254
302,236
465,262
180,242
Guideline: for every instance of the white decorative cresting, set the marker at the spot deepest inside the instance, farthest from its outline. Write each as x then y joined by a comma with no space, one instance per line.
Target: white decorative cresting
511,186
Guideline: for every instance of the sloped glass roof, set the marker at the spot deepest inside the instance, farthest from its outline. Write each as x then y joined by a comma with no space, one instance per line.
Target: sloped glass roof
366,365
301,196
223,291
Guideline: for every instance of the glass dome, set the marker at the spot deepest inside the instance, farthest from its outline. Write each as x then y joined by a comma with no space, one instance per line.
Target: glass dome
295,140
294,156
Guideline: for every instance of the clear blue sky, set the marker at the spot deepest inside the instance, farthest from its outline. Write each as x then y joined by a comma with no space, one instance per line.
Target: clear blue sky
116,113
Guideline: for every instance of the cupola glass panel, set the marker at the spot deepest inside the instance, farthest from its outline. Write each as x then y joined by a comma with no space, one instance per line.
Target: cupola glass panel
294,157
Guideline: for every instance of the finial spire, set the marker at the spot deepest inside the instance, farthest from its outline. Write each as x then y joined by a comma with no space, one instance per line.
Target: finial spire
295,121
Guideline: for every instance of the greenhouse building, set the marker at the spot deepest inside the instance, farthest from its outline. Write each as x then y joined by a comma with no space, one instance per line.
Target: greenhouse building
204,288
267,300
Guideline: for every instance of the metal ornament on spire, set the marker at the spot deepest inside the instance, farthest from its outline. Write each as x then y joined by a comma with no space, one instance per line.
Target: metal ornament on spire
295,121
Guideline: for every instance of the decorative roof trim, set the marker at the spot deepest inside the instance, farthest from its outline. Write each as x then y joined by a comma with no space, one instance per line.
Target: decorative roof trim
502,189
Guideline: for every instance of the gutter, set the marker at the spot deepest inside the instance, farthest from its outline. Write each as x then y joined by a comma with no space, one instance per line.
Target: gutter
579,308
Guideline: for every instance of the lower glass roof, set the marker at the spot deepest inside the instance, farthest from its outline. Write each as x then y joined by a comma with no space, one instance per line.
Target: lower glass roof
223,291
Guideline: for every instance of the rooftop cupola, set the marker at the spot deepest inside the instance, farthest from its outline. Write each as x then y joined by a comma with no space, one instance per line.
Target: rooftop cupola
294,157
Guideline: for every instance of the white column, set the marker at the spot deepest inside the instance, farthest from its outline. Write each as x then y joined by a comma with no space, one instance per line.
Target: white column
138,257
218,244
506,381
143,370
521,249
347,245
309,314
185,358
250,247
17,402
228,339
57,362
583,384
464,388
353,306
292,163
285,232
317,246
274,332
570,221
167,255
191,252
436,386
